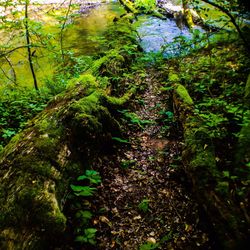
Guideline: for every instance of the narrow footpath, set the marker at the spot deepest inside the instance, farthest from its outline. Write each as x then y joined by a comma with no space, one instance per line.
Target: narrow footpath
145,202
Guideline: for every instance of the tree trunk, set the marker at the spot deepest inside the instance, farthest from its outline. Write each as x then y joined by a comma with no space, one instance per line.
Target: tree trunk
187,14
27,34
38,165
227,219
62,30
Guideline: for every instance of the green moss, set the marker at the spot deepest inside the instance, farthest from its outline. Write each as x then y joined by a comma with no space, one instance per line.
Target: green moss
247,92
32,164
118,101
183,94
41,206
47,146
156,13
112,60
173,78
129,6
87,104
56,220
129,17
87,80
43,125
11,146
189,19
97,65
77,116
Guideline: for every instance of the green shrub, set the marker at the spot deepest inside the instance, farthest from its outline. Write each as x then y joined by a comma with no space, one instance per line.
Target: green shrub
17,106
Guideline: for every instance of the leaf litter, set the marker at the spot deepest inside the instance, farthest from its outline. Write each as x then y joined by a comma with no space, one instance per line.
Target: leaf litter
144,199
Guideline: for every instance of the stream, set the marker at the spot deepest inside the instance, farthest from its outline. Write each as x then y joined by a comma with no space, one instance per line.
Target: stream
154,34
84,36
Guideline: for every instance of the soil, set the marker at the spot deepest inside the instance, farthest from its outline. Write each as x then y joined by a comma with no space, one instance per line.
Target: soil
144,197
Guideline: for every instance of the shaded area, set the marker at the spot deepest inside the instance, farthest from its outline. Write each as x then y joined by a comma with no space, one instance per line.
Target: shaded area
143,196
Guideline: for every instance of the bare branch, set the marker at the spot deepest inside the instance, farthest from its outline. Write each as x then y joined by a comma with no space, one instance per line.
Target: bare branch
6,53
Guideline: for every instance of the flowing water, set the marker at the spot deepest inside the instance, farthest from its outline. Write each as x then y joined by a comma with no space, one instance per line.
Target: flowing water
84,36
155,33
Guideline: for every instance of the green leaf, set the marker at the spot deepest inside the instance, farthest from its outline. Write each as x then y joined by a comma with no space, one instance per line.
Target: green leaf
84,214
83,190
87,192
93,176
82,177
144,205
149,246
77,188
92,241
81,239
90,231
120,140
226,174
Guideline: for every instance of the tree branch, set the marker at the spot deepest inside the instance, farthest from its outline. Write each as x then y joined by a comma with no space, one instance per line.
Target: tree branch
232,19
5,53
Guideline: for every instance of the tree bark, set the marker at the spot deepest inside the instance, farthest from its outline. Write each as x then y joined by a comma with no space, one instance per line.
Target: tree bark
62,29
39,164
27,34
227,219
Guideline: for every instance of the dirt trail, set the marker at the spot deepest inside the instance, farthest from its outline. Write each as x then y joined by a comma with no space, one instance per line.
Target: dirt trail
142,198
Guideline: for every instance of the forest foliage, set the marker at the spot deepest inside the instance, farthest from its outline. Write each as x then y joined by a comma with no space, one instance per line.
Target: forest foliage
211,72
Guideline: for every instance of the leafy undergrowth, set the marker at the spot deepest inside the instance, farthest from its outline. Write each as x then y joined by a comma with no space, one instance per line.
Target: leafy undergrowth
216,80
141,199
16,108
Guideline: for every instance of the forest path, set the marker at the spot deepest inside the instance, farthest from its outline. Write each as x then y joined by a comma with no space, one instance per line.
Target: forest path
144,204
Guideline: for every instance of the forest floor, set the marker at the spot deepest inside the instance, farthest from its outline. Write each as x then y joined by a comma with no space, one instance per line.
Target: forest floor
145,200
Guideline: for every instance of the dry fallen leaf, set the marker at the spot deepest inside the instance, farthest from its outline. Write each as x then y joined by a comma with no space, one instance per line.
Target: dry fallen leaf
105,220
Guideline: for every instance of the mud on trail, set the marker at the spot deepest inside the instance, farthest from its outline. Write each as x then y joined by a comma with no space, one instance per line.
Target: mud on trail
144,201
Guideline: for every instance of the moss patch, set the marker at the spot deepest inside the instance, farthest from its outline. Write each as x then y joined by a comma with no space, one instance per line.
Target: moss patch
183,94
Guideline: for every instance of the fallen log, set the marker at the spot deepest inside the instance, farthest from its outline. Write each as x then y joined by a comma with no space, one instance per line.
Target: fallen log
130,7
227,218
37,166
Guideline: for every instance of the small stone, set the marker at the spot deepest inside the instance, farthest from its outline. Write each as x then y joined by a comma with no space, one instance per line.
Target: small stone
137,217
151,240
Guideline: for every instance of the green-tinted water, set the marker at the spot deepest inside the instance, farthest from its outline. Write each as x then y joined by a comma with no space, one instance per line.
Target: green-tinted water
86,35
83,36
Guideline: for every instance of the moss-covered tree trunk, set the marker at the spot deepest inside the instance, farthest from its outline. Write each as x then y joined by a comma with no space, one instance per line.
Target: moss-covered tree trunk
227,219
243,152
187,13
130,7
38,165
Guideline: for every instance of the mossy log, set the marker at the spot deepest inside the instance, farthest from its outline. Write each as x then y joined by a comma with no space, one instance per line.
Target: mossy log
182,14
247,92
130,7
199,161
37,166
243,153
